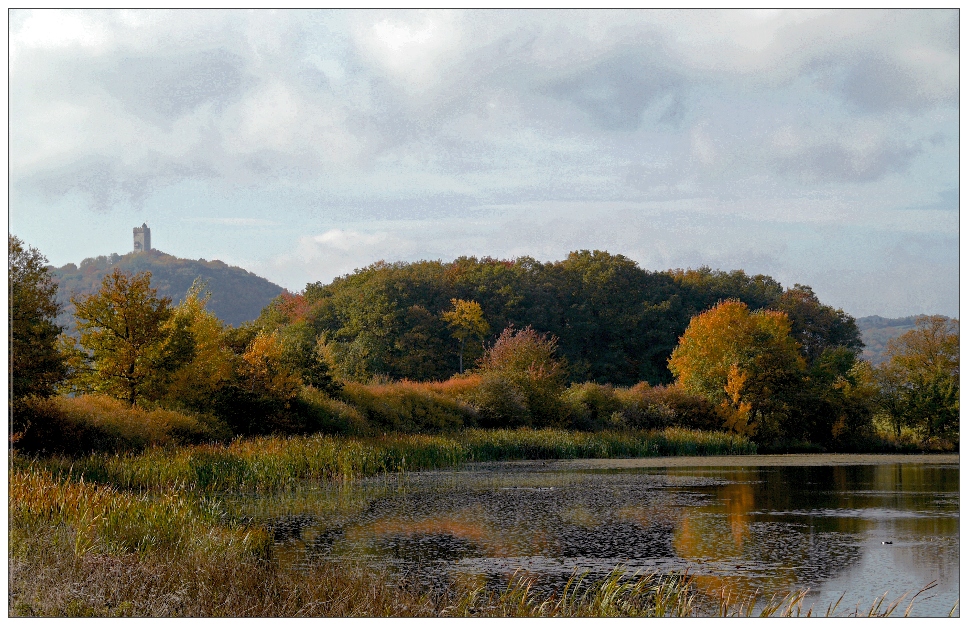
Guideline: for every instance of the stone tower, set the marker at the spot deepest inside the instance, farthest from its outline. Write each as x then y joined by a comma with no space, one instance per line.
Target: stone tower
142,238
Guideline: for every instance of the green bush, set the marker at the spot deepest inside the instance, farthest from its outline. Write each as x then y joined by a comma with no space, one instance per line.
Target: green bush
498,402
331,416
645,407
592,406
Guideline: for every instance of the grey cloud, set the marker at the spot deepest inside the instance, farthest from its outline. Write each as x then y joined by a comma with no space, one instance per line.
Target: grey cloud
883,83
833,162
616,91
104,183
163,88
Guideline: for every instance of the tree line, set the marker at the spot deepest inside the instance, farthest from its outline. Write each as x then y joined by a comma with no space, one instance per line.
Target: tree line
589,342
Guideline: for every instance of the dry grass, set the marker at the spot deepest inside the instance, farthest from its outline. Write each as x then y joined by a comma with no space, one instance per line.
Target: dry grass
96,422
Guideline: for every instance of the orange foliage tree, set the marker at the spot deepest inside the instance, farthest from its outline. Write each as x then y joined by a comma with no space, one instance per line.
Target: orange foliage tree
744,362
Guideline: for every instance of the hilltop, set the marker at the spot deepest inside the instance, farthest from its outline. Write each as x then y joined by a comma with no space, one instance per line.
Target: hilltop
877,331
237,295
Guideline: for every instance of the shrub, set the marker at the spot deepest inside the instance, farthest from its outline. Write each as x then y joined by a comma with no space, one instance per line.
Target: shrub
408,407
592,406
332,416
498,402
100,423
528,361
645,407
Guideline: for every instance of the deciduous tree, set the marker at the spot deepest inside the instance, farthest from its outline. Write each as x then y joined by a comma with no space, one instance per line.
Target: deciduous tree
36,365
129,345
466,321
920,378
746,363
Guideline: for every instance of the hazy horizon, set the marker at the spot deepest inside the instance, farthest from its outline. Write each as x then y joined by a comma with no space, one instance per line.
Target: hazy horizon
818,147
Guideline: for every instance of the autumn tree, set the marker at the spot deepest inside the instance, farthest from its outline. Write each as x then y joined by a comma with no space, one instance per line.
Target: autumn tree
36,365
466,321
129,340
525,364
745,363
212,362
919,380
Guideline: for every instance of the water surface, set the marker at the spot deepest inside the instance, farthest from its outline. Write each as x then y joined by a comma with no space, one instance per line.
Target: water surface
858,530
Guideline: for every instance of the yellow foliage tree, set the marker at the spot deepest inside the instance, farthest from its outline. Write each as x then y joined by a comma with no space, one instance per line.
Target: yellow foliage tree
466,320
744,362
213,362
263,372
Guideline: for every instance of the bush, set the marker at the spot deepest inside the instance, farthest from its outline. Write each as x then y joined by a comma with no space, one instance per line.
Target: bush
100,423
331,416
527,360
645,407
498,402
592,406
408,407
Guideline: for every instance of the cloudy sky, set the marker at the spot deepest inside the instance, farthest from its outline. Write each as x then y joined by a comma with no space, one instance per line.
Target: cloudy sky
817,147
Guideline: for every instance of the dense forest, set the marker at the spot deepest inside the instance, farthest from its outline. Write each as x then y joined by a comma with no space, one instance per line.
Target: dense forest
237,296
614,321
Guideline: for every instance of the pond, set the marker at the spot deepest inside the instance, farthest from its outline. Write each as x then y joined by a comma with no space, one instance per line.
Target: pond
774,524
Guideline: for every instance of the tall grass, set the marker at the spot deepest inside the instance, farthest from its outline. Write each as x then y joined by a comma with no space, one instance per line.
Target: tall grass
105,520
95,422
270,463
408,407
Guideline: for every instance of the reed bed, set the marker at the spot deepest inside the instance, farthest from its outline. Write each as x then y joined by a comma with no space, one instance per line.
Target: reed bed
271,463
136,535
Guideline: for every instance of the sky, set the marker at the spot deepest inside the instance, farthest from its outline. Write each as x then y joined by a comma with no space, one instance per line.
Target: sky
818,147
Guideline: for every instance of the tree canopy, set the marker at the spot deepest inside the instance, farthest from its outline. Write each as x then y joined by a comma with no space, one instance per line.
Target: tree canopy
745,362
614,321
36,365
127,342
920,376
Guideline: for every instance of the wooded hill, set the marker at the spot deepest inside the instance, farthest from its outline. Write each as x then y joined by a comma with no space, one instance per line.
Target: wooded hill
238,296
877,331
614,321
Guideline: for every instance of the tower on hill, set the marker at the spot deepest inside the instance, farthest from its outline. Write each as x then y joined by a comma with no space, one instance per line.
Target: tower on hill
142,238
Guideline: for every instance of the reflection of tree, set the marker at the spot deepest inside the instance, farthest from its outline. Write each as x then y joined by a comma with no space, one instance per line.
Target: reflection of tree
736,530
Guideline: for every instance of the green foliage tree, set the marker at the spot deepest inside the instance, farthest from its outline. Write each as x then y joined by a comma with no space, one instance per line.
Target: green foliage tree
745,363
301,353
36,365
466,321
130,342
919,380
816,326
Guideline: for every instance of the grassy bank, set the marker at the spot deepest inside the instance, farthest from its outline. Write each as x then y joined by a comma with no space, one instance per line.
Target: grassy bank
269,463
135,534
138,534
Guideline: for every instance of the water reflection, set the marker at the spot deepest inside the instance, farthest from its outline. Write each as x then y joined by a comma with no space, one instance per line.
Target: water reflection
738,529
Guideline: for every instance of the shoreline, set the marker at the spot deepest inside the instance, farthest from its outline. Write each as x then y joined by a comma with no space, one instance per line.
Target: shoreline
762,460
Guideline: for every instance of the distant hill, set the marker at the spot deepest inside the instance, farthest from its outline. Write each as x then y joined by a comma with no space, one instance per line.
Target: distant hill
877,331
237,295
